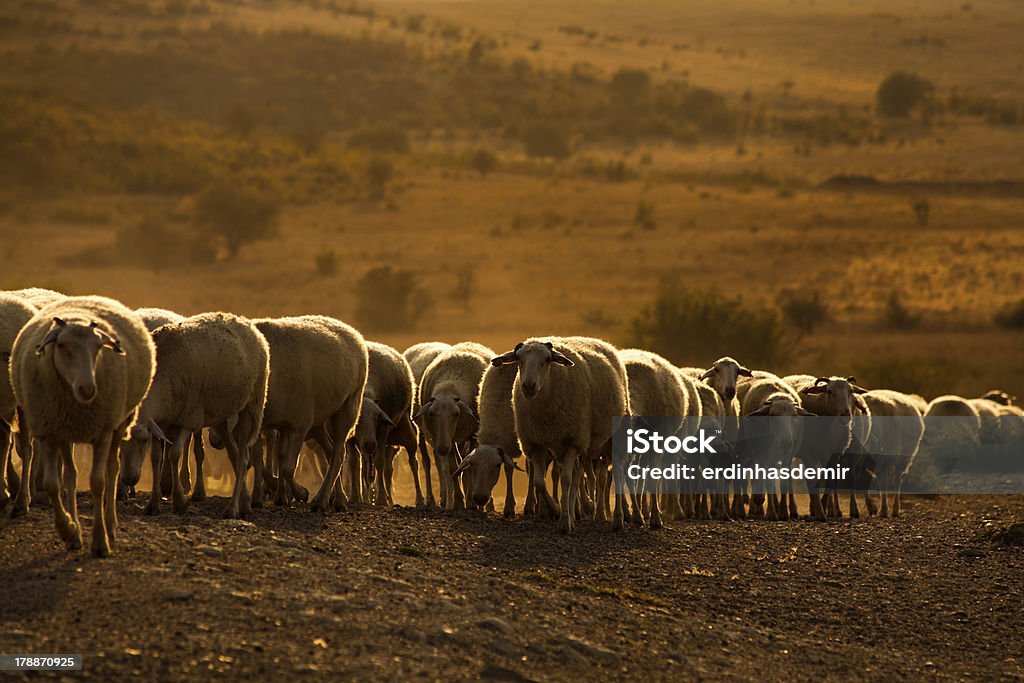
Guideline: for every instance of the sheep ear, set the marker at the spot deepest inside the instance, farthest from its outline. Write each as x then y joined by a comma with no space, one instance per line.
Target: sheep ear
423,409
816,389
466,462
804,413
744,372
851,380
557,357
707,373
505,358
507,459
51,336
762,411
859,402
387,420
109,342
857,389
156,431
466,410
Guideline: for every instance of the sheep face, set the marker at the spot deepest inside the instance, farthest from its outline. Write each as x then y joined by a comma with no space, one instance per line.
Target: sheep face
784,409
838,396
373,427
445,420
722,376
76,351
535,360
481,468
133,453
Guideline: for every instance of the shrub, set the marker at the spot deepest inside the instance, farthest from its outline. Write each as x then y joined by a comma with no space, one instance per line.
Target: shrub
630,86
389,300
644,216
1011,316
379,172
910,374
901,92
465,286
897,316
237,214
380,138
326,262
693,327
803,311
484,161
152,243
921,208
541,139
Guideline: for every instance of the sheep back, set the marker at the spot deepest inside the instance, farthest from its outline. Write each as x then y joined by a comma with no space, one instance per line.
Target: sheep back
497,417
15,312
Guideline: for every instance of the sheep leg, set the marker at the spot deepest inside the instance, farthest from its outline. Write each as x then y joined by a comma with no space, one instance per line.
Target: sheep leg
896,488
13,479
353,462
404,435
757,503
5,462
442,481
25,446
530,507
655,502
113,467
454,460
101,448
156,460
570,477
184,475
286,447
68,531
259,460
817,509
177,452
854,510
389,474
431,501
601,511
241,467
547,506
380,495
199,490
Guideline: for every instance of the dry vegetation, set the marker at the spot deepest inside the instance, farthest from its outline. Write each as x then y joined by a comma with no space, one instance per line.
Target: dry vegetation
488,153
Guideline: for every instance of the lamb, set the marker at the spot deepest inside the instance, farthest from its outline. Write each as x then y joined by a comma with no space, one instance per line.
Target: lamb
564,398
385,420
420,356
212,371
656,388
825,441
15,312
447,413
79,369
498,446
896,430
772,397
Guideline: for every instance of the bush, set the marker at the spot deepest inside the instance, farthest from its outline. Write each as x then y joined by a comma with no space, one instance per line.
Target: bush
237,214
630,87
543,139
910,374
897,316
644,216
379,172
465,286
484,161
389,300
803,311
1011,316
152,243
693,327
326,262
901,92
380,138
921,208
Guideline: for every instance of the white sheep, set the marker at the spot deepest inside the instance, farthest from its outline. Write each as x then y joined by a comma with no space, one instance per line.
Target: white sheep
896,430
565,396
15,312
420,356
722,376
497,443
713,419
212,371
38,296
447,413
656,389
385,421
770,396
79,369
952,427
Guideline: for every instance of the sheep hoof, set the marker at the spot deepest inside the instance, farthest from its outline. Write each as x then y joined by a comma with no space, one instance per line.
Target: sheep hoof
198,496
230,512
656,523
509,511
19,511
419,501
151,508
180,505
100,548
302,493
431,503
617,523
565,525
74,539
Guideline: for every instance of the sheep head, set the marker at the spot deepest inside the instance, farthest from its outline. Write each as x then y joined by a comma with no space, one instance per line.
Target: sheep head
76,350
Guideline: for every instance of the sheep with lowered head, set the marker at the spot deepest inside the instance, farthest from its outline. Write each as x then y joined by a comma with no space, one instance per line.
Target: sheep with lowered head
385,421
15,312
212,371
497,443
565,396
447,413
79,369
896,430
420,356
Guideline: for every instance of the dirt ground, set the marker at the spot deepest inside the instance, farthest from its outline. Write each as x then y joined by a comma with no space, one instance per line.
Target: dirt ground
410,593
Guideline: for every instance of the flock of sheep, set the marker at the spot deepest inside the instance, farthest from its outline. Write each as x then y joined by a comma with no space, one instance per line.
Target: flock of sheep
86,369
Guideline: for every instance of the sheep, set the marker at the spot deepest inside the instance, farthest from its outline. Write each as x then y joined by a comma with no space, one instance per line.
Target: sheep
497,444
682,505
15,312
952,427
565,395
722,377
37,296
713,418
420,356
656,388
318,370
154,318
826,440
744,383
770,396
385,420
447,412
80,368
896,430
212,371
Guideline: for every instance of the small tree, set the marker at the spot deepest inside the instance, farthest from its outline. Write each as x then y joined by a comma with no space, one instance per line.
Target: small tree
803,311
542,139
901,92
484,161
389,300
630,87
897,316
1011,316
237,214
378,174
